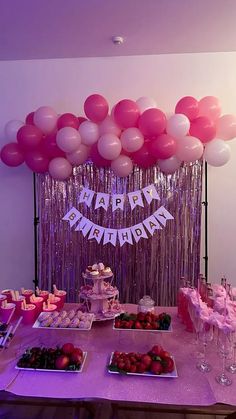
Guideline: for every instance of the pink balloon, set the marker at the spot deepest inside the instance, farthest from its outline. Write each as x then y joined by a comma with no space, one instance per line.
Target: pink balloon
11,129
210,106
89,132
60,168
68,120
109,146
143,158
126,113
50,148
29,137
132,139
169,166
12,155
122,166
152,122
108,126
189,149
163,147
188,105
45,118
203,128
97,159
68,139
79,156
96,108
37,161
29,120
226,127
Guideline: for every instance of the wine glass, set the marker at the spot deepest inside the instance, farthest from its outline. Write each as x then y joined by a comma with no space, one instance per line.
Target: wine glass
224,345
194,316
205,336
232,368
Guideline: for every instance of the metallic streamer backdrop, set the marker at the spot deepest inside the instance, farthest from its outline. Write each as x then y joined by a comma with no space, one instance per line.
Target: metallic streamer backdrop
152,266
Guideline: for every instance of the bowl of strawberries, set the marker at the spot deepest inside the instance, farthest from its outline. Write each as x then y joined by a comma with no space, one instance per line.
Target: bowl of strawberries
157,362
143,321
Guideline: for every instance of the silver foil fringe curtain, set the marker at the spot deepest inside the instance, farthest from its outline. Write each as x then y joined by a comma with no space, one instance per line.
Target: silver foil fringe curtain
152,266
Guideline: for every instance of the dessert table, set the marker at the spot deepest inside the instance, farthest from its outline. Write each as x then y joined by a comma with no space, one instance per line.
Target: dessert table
192,390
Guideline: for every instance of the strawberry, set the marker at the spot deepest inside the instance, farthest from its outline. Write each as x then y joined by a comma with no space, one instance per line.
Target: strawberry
164,354
148,326
156,350
133,368
120,365
146,360
156,367
154,325
148,318
141,317
141,368
137,325
117,324
168,364
127,366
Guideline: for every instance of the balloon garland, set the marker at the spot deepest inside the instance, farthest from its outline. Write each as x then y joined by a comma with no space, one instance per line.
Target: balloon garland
135,133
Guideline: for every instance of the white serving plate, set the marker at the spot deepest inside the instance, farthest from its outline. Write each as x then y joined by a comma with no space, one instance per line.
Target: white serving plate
47,370
172,374
143,330
37,325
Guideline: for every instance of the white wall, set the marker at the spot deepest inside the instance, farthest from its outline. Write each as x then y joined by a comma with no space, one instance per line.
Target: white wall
64,84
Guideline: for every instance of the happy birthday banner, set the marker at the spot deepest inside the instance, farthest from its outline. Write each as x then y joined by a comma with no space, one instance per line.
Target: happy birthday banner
103,200
154,222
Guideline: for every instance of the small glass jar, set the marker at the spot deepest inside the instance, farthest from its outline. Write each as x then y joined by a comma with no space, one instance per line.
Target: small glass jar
146,304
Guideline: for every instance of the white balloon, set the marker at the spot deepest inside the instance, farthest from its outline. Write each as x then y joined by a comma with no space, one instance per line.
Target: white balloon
89,132
178,125
11,129
217,152
145,103
109,126
170,165
80,155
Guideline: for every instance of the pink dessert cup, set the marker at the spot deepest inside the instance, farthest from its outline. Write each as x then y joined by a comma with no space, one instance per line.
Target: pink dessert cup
2,298
5,312
51,308
44,295
28,314
8,294
18,305
62,295
38,302
27,294
57,302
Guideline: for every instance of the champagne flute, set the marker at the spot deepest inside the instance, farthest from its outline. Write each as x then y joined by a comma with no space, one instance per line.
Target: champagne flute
224,345
205,336
232,368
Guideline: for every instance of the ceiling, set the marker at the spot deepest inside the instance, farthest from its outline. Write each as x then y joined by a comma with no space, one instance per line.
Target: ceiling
41,29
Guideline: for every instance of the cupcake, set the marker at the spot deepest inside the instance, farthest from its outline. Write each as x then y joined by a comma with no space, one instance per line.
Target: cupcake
74,323
56,322
106,271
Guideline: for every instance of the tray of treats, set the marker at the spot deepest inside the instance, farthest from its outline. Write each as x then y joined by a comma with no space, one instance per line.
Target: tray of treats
155,363
145,322
60,359
69,320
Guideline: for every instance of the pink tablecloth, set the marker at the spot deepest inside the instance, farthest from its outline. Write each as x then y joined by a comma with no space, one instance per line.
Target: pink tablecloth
190,388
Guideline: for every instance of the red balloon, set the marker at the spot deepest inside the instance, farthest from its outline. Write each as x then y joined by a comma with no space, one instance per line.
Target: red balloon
188,106
152,122
97,159
203,128
50,148
68,120
29,120
37,161
96,108
163,147
143,158
29,137
11,154
126,113
81,119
